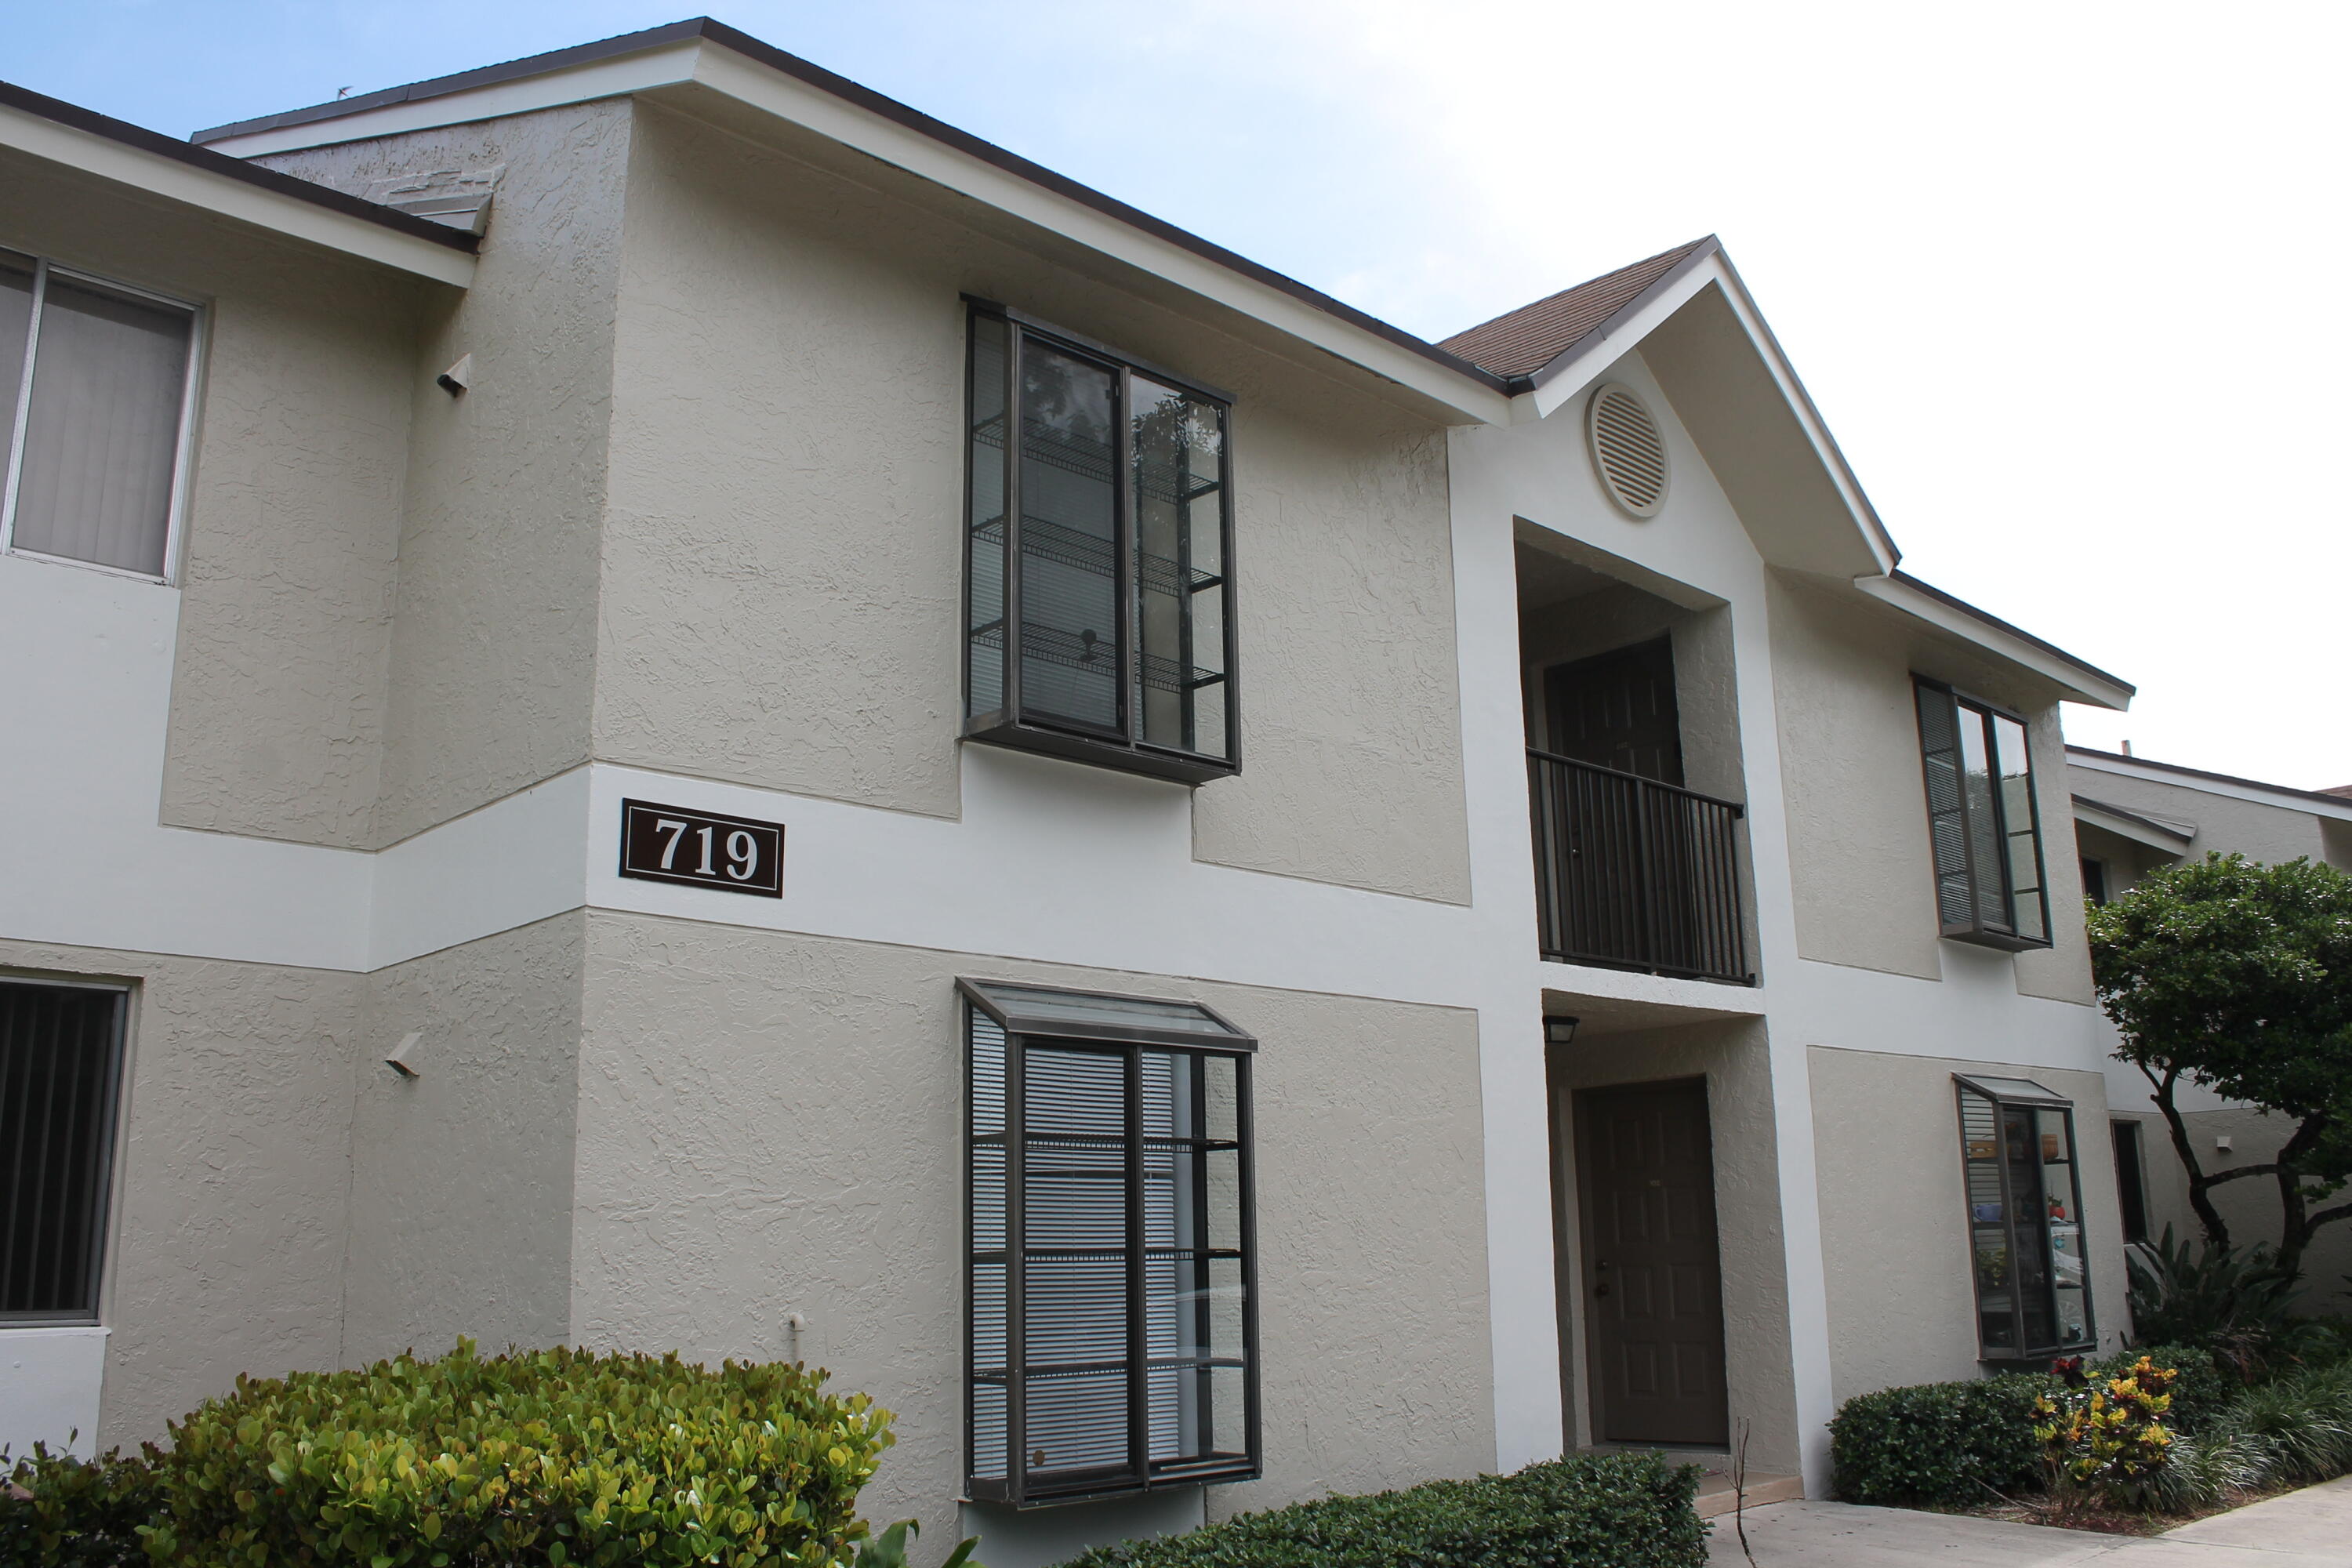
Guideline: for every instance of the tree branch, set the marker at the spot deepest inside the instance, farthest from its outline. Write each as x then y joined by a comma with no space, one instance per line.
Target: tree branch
2268,1168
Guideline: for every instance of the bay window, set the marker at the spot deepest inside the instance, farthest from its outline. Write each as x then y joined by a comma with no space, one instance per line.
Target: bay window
1111,1326
1984,831
1099,545
2025,1219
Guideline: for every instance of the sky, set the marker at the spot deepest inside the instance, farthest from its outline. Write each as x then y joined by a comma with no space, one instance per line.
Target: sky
2062,277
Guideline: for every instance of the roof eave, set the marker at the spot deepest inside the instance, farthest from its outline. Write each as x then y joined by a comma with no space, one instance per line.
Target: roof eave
713,56
91,143
2081,681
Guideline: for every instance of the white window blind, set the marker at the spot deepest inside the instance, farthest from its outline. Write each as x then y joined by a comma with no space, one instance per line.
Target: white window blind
96,391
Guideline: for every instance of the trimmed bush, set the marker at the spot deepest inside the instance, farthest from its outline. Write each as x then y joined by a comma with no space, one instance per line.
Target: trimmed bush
73,1513
1940,1444
1595,1510
546,1457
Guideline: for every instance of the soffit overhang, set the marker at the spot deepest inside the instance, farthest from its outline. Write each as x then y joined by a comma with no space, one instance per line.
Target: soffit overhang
82,144
705,68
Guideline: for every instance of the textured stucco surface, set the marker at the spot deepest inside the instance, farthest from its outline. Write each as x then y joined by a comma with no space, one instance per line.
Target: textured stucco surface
1862,873
2225,823
461,1178
286,562
1893,1217
492,662
770,1124
781,583
227,1237
1734,1060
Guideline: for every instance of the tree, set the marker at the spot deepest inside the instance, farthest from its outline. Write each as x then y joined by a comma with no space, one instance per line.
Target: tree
2238,976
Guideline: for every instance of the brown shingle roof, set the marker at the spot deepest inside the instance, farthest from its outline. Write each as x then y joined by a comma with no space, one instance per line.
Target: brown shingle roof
1524,341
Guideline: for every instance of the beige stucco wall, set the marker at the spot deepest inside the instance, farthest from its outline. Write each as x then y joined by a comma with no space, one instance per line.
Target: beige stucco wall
1861,872
1734,1060
782,570
292,516
2249,1207
1886,1146
461,1178
2270,834
770,1124
492,663
227,1233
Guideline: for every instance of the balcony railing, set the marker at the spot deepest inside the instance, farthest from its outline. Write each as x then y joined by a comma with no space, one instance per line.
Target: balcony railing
1634,874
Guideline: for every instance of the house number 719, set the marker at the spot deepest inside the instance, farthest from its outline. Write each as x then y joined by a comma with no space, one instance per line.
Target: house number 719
672,844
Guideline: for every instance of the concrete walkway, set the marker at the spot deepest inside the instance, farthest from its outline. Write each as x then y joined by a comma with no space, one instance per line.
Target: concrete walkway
2307,1529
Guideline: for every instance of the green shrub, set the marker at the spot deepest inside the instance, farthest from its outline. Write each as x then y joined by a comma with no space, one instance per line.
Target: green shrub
548,1457
1939,1445
2240,1306
58,1511
1595,1510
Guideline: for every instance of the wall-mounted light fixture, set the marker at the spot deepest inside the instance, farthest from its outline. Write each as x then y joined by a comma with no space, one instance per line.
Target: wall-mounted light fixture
1559,1030
458,377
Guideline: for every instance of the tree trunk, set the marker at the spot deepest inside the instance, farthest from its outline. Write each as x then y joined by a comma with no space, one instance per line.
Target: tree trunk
2296,1223
2200,1185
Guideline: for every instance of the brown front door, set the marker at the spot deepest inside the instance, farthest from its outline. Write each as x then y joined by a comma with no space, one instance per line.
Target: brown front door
1653,1275
1617,710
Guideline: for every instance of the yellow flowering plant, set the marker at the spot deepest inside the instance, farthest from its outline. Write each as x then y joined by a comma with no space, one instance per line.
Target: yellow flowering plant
2106,1438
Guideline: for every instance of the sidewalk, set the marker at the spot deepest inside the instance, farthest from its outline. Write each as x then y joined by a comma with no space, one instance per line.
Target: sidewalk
2307,1529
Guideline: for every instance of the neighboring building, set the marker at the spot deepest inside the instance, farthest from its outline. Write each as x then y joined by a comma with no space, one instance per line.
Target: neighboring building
1215,1072
2131,817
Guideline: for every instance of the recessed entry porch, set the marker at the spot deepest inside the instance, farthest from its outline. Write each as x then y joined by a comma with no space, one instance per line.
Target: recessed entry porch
1634,780
1671,1271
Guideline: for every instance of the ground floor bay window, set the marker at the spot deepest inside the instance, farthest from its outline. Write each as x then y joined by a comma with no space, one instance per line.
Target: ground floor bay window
2025,1219
1112,1320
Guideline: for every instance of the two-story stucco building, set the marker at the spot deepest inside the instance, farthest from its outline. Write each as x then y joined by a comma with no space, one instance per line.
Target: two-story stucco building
663,704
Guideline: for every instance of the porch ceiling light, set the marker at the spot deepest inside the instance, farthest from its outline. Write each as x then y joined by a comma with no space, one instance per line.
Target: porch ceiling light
1559,1030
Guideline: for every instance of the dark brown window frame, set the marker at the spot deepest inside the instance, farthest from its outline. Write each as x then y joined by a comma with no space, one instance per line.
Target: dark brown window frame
1977,930
1120,746
101,1078
1018,1485
2002,1101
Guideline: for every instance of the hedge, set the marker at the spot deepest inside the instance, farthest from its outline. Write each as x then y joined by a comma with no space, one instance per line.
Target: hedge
547,1458
1595,1510
1954,1445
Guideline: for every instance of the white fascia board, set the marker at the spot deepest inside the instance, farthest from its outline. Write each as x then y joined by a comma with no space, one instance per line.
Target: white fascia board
175,182
2230,789
759,87
1562,381
2080,684
2140,830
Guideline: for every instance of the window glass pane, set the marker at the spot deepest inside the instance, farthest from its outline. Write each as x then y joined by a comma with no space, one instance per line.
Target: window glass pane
1077,1421
1179,472
58,1046
1193,1282
2131,1185
1988,1222
2070,1283
16,322
2024,855
1939,742
1984,832
101,441
984,595
2028,1225
1069,532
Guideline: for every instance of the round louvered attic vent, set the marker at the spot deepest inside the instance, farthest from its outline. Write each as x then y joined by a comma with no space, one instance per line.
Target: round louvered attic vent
1627,450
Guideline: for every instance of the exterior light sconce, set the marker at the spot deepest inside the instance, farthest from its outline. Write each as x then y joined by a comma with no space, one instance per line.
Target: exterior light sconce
1559,1030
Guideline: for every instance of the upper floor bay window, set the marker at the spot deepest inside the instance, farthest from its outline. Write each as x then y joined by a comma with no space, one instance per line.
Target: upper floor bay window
60,1080
1099,597
2025,1219
96,382
1982,821
1111,1293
